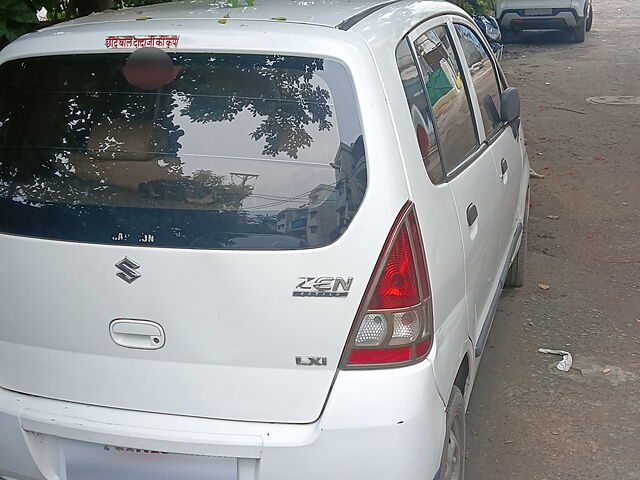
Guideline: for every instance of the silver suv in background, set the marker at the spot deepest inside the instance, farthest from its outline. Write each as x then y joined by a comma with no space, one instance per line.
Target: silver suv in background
575,16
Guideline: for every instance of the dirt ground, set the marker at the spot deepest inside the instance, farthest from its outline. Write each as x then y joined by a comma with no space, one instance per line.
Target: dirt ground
528,420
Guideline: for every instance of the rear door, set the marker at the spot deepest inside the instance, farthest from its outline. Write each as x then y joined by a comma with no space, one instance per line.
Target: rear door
437,214
468,165
180,232
500,138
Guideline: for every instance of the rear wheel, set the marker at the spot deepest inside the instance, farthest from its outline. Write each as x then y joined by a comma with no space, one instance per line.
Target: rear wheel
579,31
510,35
453,453
515,275
589,20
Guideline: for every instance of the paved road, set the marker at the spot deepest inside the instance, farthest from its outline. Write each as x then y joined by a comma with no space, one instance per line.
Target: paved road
526,419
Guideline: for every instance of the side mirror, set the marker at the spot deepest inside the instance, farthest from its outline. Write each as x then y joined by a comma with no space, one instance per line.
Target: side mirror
510,105
510,108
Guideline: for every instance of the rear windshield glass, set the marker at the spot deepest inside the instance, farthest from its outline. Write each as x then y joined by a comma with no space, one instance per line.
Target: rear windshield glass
213,151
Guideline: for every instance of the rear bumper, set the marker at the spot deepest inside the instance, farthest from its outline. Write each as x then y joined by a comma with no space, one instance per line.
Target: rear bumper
376,425
559,19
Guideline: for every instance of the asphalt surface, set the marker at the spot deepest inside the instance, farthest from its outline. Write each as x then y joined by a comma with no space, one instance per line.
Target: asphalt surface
527,419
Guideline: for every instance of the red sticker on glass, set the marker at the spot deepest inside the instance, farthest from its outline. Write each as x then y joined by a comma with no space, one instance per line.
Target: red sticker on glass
140,41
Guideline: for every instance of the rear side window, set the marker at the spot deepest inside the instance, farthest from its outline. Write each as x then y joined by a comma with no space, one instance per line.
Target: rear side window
420,112
447,93
215,151
484,78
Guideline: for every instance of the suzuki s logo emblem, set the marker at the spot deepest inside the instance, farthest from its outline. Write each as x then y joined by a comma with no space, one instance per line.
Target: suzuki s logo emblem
128,269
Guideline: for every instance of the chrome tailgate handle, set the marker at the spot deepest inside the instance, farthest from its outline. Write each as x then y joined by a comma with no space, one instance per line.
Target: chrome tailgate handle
140,334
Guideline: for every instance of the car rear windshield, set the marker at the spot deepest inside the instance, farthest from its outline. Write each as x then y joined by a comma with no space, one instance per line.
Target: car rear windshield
203,151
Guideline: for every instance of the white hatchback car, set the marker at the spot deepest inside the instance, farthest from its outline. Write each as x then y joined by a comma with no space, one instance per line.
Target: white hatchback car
258,243
575,16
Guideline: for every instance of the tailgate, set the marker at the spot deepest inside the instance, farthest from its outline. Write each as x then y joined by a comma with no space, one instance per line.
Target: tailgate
212,204
232,327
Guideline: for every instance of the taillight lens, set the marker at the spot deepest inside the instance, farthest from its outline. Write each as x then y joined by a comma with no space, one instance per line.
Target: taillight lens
395,321
397,286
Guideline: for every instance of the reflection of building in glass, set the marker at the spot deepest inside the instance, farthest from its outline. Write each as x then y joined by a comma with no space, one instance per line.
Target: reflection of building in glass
351,179
293,221
322,219
329,208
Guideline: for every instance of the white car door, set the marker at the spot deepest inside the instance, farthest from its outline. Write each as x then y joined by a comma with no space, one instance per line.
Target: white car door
469,168
503,141
436,211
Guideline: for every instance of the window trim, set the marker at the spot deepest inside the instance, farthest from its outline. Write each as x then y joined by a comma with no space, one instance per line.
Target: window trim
409,43
497,72
502,82
412,36
449,21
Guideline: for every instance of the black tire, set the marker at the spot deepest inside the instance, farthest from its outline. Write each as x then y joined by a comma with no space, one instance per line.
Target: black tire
579,31
509,35
454,449
589,20
515,275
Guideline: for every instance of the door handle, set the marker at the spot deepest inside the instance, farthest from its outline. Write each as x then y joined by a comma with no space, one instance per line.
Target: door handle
504,166
472,214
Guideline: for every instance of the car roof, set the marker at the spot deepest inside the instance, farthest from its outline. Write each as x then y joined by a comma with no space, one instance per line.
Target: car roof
309,27
331,13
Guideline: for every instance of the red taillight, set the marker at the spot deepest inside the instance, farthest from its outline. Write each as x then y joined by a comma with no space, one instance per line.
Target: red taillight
416,238
375,355
397,286
394,322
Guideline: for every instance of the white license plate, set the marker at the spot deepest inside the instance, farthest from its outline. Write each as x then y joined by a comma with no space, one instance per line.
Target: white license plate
90,461
538,12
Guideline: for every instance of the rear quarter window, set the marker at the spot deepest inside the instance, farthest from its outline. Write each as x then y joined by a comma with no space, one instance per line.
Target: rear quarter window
223,151
420,112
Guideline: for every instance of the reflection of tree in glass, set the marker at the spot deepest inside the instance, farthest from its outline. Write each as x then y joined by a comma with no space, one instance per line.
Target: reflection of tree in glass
263,223
91,108
98,106
98,156
278,89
